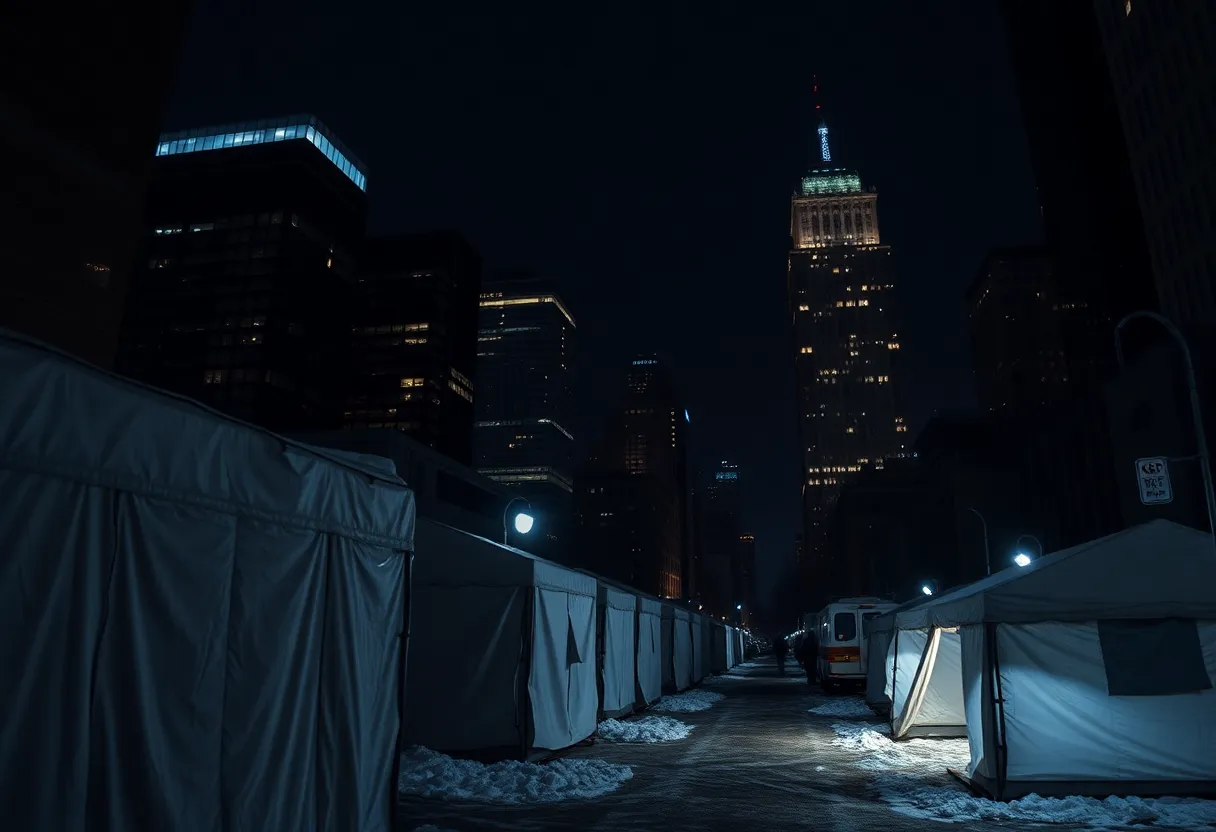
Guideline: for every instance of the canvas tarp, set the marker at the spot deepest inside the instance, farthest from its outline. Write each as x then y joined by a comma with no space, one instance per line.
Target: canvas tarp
170,578
717,647
506,644
617,635
1039,697
731,634
650,653
682,648
880,632
700,647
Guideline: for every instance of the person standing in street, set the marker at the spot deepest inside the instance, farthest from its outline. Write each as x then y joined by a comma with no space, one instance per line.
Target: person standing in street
780,649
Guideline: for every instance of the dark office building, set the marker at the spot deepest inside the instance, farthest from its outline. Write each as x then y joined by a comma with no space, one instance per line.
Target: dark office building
842,299
1016,324
414,340
82,93
1162,61
745,580
525,397
720,526
242,296
631,499
1092,223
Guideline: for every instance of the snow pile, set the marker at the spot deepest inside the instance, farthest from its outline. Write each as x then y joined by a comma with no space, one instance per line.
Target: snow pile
688,702
646,729
927,756
909,796
852,708
725,677
428,773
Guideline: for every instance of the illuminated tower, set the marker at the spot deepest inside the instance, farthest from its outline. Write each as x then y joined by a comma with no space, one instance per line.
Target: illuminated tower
842,301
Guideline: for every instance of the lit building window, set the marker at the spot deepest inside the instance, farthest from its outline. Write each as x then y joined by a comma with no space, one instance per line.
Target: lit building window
466,395
848,430
807,350
1127,8
802,307
213,377
411,382
836,270
891,345
863,302
839,304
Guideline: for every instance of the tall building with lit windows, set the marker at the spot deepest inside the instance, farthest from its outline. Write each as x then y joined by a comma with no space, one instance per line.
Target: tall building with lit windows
525,400
414,340
241,297
842,297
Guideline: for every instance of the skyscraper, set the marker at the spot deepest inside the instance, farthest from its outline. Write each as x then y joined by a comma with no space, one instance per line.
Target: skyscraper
745,580
842,300
414,340
721,529
82,93
1162,59
525,400
632,497
242,297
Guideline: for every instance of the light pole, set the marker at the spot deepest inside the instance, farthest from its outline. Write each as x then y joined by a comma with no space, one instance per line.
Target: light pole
1021,558
523,519
987,554
1201,439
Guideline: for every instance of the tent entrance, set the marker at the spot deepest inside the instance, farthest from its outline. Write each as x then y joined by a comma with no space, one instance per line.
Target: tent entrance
933,706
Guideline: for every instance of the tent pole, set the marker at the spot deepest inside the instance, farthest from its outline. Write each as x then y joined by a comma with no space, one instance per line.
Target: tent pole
998,701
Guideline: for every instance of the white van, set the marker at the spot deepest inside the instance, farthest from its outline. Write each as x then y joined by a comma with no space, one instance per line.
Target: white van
843,642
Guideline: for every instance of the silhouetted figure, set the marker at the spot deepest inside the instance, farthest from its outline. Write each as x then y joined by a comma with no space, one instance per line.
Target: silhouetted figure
804,652
780,648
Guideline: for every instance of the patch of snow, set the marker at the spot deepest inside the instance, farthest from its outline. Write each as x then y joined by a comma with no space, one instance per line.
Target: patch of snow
856,708
645,729
910,796
924,756
690,701
428,773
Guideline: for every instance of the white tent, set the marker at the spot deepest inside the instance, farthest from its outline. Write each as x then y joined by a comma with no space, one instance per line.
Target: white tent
616,634
880,655
1089,672
700,647
201,620
718,635
650,653
502,648
740,647
677,649
731,644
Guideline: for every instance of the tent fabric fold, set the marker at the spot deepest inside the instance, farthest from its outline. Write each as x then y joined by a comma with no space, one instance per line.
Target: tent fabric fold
202,619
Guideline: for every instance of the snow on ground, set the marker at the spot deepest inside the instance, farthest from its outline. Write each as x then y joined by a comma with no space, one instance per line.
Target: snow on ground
901,768
430,827
645,729
910,796
855,708
428,773
688,702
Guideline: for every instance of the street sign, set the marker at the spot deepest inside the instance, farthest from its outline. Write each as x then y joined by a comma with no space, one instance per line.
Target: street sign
1153,474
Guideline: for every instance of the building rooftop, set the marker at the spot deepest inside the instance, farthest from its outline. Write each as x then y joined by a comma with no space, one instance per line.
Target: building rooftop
825,181
242,134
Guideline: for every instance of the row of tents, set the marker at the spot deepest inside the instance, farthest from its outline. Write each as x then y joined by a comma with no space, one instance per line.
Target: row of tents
1088,672
206,625
514,656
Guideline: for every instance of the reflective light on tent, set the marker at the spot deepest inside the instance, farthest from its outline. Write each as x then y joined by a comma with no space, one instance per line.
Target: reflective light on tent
928,590
523,522
1021,559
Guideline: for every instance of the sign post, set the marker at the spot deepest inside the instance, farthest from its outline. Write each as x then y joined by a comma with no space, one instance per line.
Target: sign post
1153,476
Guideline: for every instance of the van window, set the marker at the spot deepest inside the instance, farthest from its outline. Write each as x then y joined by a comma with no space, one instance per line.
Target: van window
846,626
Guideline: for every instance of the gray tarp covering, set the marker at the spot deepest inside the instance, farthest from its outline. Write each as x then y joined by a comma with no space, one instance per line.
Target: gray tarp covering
616,626
201,620
682,643
717,648
506,645
650,653
700,647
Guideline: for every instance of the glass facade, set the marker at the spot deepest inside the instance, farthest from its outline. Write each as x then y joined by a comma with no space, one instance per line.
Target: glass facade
262,132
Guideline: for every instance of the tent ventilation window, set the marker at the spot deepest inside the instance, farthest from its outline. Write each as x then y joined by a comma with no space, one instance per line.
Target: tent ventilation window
1152,657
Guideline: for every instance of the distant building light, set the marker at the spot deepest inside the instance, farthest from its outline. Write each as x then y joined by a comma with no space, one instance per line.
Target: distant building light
240,135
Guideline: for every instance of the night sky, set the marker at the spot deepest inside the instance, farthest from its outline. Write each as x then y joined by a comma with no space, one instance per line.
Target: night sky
643,155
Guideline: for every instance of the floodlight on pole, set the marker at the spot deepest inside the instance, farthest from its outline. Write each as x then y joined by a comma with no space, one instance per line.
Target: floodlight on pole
523,520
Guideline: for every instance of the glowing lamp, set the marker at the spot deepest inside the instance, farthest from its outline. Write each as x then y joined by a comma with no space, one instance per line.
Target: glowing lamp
1021,559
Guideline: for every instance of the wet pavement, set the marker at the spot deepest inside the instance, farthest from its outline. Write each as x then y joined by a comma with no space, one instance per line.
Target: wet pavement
757,760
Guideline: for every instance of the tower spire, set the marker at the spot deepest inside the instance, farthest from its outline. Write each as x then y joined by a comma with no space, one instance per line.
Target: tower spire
825,150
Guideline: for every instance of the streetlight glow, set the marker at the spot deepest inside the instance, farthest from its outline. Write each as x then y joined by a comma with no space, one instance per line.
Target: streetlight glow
523,522
928,590
738,606
1021,559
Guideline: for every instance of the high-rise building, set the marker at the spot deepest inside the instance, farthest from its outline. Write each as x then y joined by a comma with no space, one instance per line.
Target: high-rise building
525,399
82,94
414,340
1092,224
1162,61
842,298
745,580
241,298
632,497
1016,326
721,529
